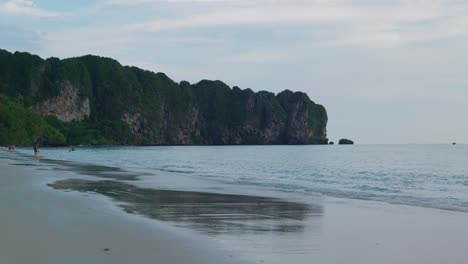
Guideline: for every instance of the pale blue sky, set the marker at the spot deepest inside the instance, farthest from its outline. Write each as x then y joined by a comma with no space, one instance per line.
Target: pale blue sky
391,71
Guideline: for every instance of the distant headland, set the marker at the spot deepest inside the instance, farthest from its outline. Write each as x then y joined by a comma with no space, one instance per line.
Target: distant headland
95,100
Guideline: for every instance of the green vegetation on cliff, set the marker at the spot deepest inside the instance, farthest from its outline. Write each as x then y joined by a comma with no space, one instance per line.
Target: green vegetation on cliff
95,100
21,126
89,133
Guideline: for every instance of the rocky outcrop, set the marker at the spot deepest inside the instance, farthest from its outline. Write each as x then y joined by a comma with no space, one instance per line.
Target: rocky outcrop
137,124
306,121
67,106
246,118
345,141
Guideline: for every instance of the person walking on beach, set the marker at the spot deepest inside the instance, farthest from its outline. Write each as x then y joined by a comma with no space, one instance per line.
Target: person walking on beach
36,152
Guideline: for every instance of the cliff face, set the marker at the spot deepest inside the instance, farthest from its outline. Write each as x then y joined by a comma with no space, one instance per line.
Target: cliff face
130,105
67,106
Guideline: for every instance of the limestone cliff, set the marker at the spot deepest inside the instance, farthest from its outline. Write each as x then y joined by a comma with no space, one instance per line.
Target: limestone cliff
244,118
67,106
118,104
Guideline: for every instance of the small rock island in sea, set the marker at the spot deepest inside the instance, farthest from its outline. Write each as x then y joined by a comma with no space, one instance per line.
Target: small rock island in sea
96,100
345,141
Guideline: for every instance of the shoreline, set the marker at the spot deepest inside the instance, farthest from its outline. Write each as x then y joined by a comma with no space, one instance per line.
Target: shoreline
42,225
146,173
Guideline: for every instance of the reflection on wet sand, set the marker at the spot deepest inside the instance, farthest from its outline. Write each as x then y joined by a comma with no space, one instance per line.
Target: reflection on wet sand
94,170
81,168
207,212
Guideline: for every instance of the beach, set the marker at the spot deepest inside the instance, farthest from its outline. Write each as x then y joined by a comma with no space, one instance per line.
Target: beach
83,215
41,225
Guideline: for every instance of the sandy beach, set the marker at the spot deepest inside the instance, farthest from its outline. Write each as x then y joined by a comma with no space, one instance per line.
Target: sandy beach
41,225
62,216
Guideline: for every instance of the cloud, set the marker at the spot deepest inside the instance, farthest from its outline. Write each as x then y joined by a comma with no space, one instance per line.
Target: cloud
271,16
262,56
369,24
146,2
25,7
65,43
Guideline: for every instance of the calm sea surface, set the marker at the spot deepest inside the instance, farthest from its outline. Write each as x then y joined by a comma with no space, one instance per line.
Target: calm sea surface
421,175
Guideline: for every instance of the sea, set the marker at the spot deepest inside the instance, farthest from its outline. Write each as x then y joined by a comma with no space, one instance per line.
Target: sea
419,175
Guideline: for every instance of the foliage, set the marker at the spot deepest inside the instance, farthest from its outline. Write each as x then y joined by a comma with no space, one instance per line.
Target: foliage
21,126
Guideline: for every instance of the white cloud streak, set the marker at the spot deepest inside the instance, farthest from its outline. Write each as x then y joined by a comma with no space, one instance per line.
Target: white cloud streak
366,24
25,8
156,2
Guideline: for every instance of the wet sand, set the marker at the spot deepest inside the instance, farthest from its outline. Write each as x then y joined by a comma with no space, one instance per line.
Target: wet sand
206,212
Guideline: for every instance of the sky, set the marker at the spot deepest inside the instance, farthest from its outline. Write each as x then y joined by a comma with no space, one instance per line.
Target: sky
388,71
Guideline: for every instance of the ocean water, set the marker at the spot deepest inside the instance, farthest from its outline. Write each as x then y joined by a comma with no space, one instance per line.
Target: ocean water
420,175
